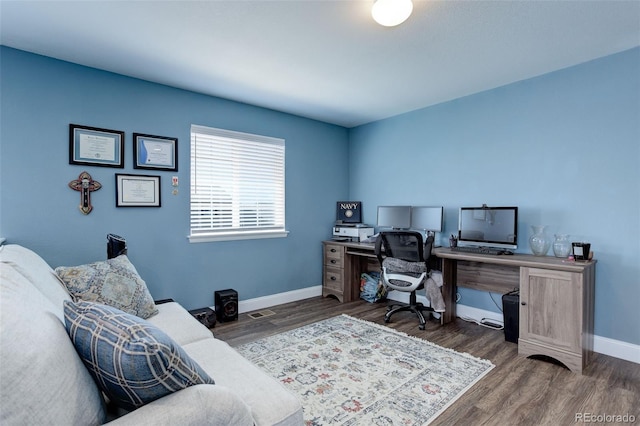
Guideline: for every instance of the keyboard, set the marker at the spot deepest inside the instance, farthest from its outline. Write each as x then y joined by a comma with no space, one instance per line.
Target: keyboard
478,250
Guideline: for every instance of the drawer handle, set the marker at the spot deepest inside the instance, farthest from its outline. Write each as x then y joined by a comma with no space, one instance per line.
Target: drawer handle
333,278
333,250
333,261
523,303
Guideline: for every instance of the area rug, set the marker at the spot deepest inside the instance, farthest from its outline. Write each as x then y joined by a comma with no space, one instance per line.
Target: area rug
347,371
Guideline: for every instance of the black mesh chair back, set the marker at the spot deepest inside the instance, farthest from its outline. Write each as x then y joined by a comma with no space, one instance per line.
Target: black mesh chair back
406,246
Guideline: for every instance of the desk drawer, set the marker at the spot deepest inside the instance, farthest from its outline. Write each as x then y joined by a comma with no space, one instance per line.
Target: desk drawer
334,255
334,278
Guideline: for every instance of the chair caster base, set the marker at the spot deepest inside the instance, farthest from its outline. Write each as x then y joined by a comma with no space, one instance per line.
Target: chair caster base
421,326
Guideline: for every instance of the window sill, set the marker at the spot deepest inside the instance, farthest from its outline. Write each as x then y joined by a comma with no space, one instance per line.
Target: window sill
232,236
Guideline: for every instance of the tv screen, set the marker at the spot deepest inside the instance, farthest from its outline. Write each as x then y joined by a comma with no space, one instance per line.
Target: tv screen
488,227
427,218
395,217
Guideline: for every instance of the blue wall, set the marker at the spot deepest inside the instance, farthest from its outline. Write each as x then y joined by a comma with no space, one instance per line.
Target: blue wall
564,147
41,96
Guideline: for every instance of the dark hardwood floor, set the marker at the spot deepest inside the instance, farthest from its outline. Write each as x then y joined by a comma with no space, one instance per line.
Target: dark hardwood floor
519,391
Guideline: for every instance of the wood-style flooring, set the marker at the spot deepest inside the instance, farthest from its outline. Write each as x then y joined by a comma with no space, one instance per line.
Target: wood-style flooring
519,391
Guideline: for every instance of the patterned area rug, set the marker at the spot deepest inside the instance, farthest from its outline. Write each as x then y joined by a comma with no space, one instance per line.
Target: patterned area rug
353,372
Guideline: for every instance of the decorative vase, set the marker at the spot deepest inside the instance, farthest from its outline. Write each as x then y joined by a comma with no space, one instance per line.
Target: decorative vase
539,242
562,245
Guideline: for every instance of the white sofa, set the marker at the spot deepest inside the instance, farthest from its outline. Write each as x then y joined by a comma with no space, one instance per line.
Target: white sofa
43,380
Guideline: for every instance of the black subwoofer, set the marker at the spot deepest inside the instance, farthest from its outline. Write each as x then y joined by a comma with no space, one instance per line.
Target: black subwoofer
226,302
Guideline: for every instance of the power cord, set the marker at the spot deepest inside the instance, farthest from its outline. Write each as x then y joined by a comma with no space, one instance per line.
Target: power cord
485,322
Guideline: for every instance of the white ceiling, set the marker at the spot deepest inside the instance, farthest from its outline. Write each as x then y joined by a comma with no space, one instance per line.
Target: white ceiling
324,59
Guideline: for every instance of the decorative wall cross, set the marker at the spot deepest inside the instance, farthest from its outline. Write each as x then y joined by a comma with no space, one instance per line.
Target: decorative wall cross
86,185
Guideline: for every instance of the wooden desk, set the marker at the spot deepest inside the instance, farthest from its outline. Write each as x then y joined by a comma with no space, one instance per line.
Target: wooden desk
556,299
556,296
343,264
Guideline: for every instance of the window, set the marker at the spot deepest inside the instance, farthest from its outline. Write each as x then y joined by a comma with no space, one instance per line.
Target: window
237,185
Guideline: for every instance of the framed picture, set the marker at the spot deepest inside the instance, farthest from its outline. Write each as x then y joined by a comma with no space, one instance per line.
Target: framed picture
91,146
155,152
137,191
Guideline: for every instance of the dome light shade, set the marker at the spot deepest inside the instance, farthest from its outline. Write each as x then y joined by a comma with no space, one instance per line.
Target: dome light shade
390,13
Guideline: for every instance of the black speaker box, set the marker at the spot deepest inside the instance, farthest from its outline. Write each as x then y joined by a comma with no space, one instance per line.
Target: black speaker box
226,303
511,310
205,315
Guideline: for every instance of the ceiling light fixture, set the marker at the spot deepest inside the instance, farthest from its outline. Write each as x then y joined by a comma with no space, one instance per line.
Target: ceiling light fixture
390,13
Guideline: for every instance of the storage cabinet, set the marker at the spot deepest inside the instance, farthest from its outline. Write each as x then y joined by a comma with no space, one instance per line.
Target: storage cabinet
556,314
335,273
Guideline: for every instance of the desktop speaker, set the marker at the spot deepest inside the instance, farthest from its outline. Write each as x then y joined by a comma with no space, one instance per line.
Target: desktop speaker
511,310
226,303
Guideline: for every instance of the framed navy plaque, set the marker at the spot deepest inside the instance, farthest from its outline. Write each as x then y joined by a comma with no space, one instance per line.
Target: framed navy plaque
349,212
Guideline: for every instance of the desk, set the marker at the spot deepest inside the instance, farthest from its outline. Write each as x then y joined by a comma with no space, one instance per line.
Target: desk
556,296
556,299
343,264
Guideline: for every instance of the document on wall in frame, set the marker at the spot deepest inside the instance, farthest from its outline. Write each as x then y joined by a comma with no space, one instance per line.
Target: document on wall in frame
92,146
155,152
137,191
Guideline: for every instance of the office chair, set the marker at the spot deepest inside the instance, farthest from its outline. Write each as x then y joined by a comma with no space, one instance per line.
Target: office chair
404,264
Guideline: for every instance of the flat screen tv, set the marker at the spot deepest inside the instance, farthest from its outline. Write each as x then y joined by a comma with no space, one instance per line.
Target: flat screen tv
394,217
495,227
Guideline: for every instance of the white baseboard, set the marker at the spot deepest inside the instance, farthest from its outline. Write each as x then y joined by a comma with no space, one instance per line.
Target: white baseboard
616,348
603,345
278,299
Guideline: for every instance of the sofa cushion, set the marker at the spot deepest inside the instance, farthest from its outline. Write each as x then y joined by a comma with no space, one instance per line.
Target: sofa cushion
179,324
43,381
114,282
38,273
132,361
271,403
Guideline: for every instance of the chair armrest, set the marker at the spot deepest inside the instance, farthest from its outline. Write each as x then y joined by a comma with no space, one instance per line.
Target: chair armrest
196,405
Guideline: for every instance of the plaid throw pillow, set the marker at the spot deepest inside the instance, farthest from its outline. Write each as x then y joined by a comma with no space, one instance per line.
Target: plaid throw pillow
114,282
132,361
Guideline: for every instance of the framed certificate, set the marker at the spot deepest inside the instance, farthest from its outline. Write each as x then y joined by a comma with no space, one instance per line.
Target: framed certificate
155,152
137,191
91,146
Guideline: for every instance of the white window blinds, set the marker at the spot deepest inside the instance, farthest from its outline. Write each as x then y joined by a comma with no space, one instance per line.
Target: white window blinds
237,185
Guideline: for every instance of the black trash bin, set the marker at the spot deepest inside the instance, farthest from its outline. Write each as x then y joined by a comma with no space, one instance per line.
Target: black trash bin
511,310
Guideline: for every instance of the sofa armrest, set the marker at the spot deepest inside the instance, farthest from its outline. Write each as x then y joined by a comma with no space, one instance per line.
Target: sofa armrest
196,405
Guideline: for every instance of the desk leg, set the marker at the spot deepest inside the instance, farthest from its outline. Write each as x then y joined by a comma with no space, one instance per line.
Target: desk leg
449,272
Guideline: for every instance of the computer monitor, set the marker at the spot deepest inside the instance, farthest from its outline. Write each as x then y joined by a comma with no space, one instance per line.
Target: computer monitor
428,219
495,227
394,217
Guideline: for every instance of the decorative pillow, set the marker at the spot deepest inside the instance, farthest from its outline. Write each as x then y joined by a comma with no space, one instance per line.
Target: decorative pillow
114,282
132,361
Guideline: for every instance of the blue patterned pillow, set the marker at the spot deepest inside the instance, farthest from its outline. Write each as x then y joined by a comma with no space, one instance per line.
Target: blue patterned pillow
132,361
114,282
